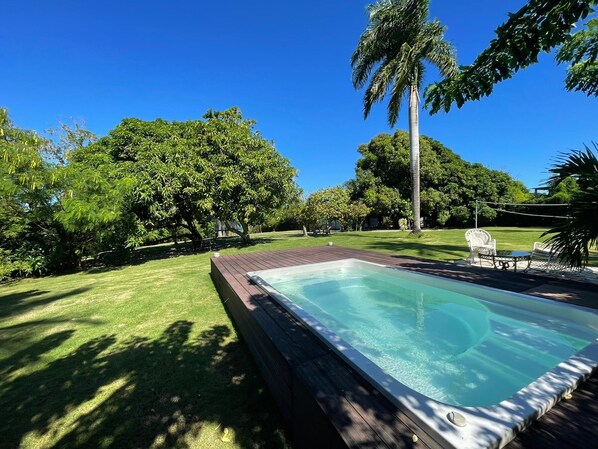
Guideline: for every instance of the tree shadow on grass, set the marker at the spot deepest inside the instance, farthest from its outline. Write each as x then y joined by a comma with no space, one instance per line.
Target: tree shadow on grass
21,302
139,393
33,352
508,230
420,249
168,251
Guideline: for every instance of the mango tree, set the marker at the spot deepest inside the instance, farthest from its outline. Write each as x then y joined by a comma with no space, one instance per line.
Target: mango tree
250,178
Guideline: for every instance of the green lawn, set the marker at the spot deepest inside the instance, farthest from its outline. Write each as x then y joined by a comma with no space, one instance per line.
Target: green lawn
145,355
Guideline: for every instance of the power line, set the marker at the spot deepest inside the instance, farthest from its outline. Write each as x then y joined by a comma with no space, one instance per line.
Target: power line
521,204
518,213
531,215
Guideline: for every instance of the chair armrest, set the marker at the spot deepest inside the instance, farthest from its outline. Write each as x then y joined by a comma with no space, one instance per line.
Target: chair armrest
492,244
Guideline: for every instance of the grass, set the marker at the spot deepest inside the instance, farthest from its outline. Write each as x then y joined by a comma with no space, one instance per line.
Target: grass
144,355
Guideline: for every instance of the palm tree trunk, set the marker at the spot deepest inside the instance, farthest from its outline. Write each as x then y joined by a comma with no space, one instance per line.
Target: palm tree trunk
414,153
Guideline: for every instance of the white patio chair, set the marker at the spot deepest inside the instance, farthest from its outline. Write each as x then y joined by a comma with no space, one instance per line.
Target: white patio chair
479,240
546,258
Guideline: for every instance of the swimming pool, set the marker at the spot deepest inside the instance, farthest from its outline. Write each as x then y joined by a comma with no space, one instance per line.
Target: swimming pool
436,346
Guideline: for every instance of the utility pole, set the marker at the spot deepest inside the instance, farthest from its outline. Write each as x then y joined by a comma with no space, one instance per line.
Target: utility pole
476,214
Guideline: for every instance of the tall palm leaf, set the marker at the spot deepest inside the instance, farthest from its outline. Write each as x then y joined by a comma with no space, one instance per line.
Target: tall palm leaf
395,45
575,236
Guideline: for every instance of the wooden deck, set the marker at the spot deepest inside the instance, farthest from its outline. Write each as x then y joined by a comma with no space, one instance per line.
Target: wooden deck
328,405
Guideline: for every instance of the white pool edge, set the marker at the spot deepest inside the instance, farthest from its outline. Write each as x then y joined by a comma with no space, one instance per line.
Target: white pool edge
487,427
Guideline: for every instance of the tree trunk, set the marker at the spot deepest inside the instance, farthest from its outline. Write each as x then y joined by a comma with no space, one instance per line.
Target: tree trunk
414,154
244,234
195,235
175,236
246,238
304,231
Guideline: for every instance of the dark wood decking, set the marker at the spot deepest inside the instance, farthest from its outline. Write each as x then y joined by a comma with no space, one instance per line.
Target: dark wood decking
326,404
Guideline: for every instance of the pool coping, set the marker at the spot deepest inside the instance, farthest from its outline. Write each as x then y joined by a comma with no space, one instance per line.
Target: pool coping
314,391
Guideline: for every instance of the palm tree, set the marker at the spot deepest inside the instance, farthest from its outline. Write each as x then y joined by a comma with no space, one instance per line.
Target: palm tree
575,236
396,43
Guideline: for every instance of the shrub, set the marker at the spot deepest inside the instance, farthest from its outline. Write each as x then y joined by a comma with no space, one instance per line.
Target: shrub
460,215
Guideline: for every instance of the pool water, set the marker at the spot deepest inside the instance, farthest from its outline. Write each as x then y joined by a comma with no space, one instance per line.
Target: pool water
460,345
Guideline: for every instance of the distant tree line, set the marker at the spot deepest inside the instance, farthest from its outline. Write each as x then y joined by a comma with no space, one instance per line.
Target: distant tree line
449,185
70,196
381,190
379,196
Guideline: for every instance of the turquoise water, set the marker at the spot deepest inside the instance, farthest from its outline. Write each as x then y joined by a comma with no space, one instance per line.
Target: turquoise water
457,348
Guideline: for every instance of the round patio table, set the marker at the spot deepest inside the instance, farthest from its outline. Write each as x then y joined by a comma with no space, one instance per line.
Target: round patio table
505,259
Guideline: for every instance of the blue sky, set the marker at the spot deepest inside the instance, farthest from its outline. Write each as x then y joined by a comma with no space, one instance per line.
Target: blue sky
285,64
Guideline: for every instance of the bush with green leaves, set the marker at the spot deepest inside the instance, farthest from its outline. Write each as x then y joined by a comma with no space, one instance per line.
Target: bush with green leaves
403,224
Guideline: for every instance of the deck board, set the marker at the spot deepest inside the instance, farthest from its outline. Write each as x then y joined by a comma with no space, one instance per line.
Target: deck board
327,404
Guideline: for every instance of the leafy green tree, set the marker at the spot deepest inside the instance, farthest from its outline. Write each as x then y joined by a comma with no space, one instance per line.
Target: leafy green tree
33,185
251,179
187,174
95,205
357,211
563,192
70,197
386,202
167,165
577,234
307,215
581,50
326,206
289,216
434,205
282,219
486,215
396,43
450,185
461,215
91,199
382,178
22,175
65,139
539,26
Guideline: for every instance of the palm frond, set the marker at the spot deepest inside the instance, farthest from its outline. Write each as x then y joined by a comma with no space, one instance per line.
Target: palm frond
572,164
443,57
397,94
380,83
394,105
397,39
575,236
